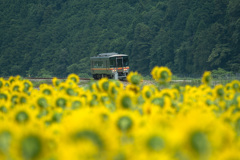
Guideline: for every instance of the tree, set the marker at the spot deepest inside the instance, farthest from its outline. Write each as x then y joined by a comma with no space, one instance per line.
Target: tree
141,48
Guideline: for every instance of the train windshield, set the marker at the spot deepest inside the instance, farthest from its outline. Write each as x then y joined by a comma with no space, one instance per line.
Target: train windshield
119,61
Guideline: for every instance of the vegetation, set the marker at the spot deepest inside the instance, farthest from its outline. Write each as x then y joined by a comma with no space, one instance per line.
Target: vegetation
56,38
105,120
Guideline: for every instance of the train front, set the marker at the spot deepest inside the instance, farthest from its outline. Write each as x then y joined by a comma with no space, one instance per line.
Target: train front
119,65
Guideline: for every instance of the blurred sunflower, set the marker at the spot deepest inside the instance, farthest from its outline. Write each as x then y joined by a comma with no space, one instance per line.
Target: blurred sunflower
73,77
56,82
125,100
162,75
61,100
86,137
23,115
219,91
17,86
134,78
236,85
133,88
28,86
7,138
2,83
207,78
148,91
33,144
153,140
103,85
12,79
46,89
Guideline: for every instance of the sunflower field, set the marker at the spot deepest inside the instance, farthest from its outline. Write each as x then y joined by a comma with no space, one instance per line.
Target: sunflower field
109,121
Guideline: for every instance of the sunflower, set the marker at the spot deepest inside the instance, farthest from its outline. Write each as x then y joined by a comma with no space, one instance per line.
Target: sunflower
78,102
134,78
114,88
219,91
207,79
69,83
103,85
153,140
46,89
148,91
23,98
5,106
86,136
73,77
56,82
7,138
33,143
13,79
28,86
161,100
162,75
2,83
125,123
61,100
42,102
133,88
17,86
125,100
5,95
236,85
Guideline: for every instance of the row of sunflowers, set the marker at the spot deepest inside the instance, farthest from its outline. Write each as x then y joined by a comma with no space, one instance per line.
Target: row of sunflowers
109,121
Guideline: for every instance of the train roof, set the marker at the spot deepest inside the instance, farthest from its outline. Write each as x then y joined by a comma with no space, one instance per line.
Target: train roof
107,55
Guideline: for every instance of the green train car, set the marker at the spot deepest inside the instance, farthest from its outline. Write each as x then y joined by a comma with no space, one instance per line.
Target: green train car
111,65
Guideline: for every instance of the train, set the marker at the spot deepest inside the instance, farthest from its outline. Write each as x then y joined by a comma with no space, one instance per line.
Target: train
111,65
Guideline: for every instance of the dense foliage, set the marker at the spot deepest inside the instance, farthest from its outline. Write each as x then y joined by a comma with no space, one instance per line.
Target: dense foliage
55,38
106,120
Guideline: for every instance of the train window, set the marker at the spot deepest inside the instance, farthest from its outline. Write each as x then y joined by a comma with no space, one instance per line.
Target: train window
95,64
125,61
113,62
119,62
98,64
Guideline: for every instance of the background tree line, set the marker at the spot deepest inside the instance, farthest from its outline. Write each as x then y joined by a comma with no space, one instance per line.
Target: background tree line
55,38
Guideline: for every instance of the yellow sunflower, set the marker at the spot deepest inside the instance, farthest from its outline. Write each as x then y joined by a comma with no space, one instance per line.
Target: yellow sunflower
75,78
17,86
103,85
46,89
125,100
207,79
162,75
219,91
134,78
2,83
236,85
56,82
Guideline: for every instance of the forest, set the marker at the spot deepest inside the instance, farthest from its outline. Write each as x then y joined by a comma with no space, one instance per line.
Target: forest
45,38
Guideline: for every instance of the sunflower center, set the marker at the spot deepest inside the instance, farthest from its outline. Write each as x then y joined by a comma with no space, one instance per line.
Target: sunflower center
126,102
61,102
31,147
199,143
136,79
155,143
22,117
124,123
105,86
42,102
